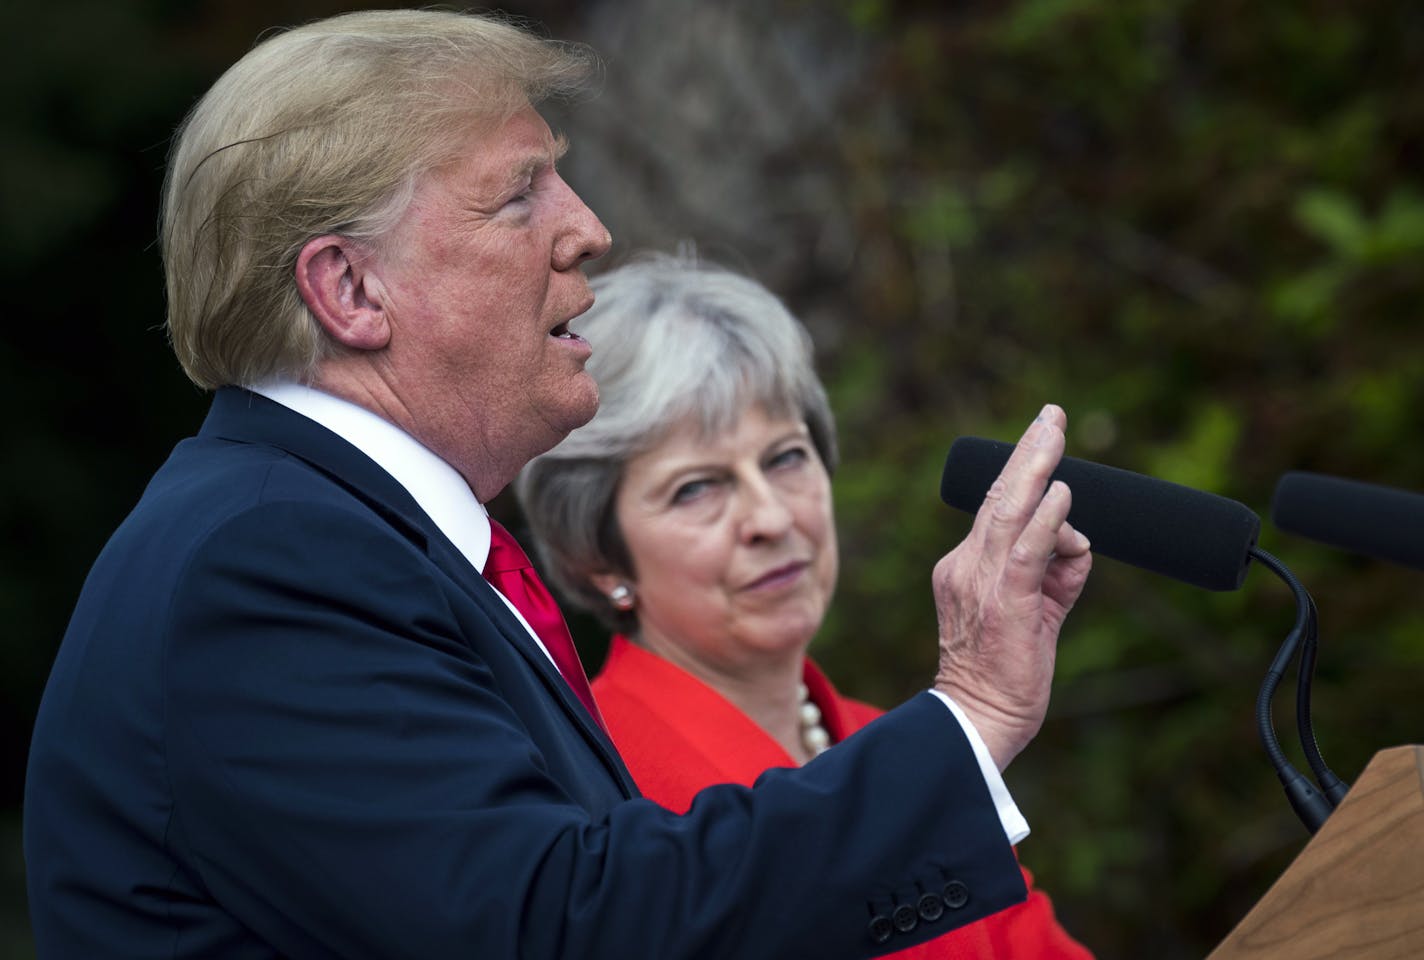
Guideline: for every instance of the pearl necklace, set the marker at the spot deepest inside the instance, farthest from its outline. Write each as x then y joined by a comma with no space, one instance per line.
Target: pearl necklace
813,735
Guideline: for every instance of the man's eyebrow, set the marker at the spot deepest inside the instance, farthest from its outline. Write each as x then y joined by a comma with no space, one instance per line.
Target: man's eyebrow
536,162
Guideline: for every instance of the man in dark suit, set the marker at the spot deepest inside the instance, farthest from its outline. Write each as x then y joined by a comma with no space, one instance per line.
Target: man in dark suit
290,718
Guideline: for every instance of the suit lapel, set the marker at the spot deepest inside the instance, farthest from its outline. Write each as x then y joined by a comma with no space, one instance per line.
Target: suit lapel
448,558
246,417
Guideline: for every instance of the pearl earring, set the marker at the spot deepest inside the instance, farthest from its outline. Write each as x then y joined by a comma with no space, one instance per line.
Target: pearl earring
621,597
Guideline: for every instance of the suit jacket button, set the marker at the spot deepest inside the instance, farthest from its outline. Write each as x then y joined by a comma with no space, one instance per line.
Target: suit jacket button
931,908
882,928
906,919
956,894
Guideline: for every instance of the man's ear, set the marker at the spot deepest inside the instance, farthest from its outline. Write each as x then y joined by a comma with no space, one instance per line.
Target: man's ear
335,280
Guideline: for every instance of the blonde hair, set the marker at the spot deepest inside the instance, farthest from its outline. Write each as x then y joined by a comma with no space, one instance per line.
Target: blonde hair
325,128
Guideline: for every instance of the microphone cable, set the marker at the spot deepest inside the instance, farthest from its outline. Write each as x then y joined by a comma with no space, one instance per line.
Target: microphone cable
1332,786
1311,805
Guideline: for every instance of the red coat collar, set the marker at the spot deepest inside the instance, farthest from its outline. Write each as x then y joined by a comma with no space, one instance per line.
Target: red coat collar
677,734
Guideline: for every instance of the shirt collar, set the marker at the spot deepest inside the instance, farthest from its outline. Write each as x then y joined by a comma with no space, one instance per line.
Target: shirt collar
435,486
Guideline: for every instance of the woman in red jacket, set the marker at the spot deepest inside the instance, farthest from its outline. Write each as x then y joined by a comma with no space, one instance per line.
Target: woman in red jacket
693,514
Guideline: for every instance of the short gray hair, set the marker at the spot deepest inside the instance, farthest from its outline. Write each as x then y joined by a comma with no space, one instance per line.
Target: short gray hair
324,129
673,340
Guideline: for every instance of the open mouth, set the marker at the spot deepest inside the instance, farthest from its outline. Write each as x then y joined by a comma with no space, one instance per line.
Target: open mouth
568,340
561,331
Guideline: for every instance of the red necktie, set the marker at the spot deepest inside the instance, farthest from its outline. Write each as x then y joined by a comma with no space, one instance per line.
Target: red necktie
509,571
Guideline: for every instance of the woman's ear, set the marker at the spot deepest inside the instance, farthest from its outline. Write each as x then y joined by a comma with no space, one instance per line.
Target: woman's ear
337,282
617,589
606,582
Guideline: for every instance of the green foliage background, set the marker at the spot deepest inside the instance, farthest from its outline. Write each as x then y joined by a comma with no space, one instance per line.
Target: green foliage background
1196,226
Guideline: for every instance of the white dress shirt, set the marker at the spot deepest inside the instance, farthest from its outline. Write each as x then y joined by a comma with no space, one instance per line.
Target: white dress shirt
434,485
442,493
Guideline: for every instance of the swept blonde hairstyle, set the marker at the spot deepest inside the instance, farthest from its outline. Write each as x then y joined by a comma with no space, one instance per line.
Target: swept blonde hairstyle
325,128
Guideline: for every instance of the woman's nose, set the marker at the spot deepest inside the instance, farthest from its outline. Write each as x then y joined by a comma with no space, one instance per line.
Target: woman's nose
766,514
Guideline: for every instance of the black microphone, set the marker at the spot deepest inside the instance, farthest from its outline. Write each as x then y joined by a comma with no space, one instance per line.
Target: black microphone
1366,518
1196,537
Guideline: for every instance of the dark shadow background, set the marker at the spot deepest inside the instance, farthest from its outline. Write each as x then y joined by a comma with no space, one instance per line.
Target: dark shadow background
1198,226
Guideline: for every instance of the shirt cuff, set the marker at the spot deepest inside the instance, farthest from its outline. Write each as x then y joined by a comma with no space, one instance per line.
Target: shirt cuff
1015,826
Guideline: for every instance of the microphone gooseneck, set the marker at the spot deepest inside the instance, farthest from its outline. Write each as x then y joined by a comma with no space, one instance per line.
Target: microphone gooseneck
1309,804
1333,787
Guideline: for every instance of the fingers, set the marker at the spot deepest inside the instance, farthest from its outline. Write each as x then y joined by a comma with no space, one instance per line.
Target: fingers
1053,413
1002,594
1063,584
1018,492
1071,541
1037,545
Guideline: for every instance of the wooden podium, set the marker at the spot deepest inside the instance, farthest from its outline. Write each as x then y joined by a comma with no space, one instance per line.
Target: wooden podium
1357,889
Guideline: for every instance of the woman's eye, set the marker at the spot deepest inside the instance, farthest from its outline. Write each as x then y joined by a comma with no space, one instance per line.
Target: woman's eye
790,457
691,490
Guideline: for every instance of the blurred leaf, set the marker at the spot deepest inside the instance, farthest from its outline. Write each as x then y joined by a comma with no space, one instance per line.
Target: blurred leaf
1307,300
942,216
1034,21
1335,219
1399,232
1203,458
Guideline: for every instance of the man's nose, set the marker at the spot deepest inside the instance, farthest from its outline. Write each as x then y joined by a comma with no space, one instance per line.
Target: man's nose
584,236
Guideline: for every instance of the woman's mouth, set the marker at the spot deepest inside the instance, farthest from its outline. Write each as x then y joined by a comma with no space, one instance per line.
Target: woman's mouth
779,577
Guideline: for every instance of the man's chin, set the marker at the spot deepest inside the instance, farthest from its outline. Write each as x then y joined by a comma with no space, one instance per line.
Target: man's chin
576,407
584,411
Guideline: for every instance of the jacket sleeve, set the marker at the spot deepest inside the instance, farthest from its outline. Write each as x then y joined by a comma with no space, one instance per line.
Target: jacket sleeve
348,781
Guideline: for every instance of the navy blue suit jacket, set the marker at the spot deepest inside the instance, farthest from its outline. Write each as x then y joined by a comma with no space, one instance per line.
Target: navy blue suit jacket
288,719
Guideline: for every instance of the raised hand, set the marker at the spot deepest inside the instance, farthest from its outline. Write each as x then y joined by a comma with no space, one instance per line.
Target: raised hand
1003,593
